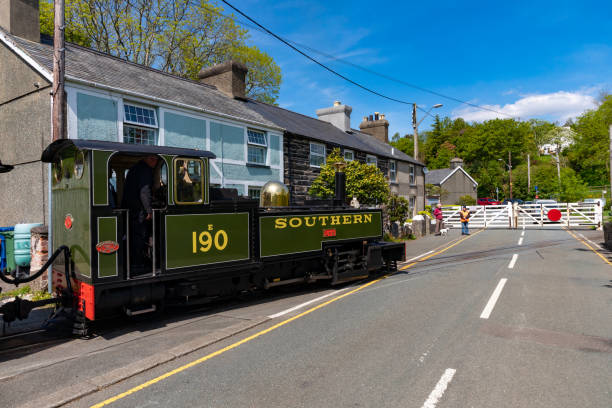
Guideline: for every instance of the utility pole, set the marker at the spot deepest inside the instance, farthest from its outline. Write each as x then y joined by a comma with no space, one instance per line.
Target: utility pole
416,133
510,167
528,175
59,95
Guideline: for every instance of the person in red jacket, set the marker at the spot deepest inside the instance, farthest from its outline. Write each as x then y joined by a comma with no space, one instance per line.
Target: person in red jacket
438,216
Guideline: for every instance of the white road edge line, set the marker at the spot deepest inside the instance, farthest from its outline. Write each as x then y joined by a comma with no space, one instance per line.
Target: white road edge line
438,391
591,242
512,261
520,241
417,257
493,299
523,234
284,312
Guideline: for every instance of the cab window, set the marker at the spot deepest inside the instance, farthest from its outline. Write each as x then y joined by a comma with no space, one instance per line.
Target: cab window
188,181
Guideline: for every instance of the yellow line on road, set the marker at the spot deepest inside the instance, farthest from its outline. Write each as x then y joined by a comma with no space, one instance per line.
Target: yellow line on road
256,335
590,247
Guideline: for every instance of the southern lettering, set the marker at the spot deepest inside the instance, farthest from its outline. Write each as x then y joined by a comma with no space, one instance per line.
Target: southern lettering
322,220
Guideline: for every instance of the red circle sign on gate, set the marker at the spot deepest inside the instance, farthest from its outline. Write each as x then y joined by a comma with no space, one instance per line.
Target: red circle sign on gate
554,214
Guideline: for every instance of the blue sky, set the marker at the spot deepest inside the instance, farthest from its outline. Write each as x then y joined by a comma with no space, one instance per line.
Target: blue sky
529,59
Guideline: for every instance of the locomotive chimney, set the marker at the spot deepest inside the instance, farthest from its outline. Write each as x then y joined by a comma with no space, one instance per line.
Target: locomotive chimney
340,184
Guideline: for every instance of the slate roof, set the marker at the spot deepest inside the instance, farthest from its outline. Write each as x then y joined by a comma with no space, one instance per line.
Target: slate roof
317,129
99,68
103,70
436,176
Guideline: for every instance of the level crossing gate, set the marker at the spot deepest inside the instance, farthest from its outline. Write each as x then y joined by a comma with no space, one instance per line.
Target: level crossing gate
529,215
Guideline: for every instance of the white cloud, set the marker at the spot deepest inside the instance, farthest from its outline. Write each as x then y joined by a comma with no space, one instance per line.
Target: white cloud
557,106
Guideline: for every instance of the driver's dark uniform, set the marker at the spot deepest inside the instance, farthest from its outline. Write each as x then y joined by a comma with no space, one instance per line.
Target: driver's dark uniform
137,197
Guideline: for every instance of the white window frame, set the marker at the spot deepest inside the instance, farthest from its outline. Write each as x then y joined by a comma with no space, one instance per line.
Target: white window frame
352,155
257,145
324,155
411,175
139,124
371,159
393,171
249,188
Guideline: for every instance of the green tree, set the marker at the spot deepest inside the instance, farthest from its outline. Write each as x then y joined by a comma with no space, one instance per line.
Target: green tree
406,144
364,181
179,37
589,154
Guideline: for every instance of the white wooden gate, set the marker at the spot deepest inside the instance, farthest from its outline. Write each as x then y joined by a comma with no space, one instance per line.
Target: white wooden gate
528,215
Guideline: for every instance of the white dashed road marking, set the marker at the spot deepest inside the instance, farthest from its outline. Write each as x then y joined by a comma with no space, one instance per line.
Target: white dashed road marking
512,261
493,299
520,241
438,392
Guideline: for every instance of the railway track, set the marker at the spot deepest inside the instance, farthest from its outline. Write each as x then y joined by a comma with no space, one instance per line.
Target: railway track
483,254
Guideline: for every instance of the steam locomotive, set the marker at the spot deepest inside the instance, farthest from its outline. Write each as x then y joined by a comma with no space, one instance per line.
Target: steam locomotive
203,243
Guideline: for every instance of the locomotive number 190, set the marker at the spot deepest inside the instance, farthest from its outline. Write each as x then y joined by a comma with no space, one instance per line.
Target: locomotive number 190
206,240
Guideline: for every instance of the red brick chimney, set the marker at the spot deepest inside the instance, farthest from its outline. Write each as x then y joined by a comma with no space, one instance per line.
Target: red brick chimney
229,78
377,126
20,18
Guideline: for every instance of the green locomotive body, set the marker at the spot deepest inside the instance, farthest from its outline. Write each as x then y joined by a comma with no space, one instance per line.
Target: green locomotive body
203,242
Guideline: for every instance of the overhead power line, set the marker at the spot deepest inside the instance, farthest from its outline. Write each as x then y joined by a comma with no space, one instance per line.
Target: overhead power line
315,60
293,45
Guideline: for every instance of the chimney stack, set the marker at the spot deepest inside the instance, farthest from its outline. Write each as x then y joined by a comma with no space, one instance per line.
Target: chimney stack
376,125
338,115
229,78
456,162
20,18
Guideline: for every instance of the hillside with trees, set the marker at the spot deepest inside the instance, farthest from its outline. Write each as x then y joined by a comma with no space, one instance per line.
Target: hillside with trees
583,160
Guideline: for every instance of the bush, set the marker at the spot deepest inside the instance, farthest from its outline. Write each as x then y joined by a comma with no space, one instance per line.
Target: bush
364,181
398,208
466,200
425,213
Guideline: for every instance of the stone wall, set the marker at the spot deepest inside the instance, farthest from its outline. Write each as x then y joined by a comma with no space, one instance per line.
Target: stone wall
299,175
39,253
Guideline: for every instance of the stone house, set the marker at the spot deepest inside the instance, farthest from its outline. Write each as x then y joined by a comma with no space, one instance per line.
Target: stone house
454,182
114,100
308,140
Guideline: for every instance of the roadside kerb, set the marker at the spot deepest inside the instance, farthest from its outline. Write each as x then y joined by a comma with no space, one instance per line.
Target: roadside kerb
86,387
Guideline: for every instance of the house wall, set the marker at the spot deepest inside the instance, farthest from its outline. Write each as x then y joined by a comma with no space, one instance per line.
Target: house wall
406,189
458,185
99,115
25,129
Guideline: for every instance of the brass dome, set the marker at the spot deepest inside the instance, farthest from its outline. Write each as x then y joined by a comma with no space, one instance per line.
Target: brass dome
274,194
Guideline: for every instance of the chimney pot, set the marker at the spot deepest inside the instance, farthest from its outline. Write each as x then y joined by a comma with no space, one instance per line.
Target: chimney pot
377,126
229,78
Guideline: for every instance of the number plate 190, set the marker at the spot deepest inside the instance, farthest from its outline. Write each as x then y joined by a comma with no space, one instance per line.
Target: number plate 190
201,239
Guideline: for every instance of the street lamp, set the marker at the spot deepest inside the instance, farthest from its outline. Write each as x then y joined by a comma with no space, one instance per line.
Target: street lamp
509,165
415,126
